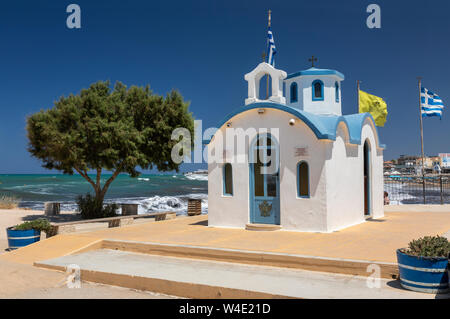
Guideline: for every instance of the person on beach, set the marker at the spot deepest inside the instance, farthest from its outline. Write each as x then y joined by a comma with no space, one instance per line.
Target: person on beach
386,198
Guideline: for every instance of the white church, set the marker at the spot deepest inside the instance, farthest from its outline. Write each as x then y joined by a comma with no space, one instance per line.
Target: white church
304,166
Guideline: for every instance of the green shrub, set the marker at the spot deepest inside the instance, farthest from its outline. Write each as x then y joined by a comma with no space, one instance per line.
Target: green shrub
8,201
429,246
41,224
91,208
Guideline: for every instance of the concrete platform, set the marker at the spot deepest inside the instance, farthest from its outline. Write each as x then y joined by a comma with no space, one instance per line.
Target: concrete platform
262,227
293,261
209,279
374,240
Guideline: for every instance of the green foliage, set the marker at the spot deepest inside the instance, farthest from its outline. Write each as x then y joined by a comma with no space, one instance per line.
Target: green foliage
117,129
90,208
429,246
41,224
8,201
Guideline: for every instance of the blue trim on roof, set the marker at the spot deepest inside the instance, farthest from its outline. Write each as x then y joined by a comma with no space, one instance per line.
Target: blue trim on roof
355,122
323,126
316,71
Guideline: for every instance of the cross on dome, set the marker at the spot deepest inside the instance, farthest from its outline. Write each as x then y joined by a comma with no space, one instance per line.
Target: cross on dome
312,60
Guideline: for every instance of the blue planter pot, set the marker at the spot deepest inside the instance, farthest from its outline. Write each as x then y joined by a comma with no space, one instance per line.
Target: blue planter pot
22,238
423,274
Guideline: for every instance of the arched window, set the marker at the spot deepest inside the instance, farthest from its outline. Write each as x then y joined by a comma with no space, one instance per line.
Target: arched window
294,92
265,87
303,180
317,90
336,86
228,180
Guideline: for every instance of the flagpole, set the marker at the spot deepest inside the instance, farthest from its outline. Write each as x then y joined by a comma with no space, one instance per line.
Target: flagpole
421,137
358,88
267,88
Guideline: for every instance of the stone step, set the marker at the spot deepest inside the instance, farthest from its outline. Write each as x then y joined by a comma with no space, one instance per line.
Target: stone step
192,278
262,227
311,263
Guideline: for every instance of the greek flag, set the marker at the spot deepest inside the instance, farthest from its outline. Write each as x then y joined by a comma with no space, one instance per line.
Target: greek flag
271,50
431,103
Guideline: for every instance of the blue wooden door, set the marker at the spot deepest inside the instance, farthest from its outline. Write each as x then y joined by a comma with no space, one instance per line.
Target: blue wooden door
265,182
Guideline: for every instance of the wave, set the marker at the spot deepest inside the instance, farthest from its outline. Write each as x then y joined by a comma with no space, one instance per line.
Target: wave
39,205
176,204
197,177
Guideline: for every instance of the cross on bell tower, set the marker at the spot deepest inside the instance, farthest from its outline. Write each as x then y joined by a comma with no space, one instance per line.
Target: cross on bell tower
312,60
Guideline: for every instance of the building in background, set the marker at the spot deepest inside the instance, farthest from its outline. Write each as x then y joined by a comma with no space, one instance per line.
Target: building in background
411,164
407,160
445,160
429,162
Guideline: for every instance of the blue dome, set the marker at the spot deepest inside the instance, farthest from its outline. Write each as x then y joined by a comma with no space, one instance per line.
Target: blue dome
316,71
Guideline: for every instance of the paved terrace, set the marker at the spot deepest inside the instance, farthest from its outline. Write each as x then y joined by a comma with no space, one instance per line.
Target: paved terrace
375,240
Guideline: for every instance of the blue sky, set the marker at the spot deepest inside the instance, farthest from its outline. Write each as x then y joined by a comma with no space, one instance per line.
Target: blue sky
204,48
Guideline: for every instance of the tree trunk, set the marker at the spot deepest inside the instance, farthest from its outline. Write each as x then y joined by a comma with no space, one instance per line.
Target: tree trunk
99,191
99,195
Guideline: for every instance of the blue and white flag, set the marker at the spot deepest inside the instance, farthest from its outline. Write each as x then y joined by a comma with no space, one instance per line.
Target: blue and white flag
432,104
271,50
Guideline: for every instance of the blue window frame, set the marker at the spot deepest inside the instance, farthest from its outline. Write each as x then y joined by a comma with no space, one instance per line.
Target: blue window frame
228,180
303,180
336,86
294,92
317,91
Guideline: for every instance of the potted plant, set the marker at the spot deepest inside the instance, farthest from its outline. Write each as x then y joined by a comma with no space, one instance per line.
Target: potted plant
423,266
27,233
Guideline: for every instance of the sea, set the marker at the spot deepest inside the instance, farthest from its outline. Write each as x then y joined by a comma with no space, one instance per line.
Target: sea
153,193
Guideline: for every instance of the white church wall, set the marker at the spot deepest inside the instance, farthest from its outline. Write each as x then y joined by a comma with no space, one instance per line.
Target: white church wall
329,104
336,171
345,175
224,210
296,214
302,214
345,180
228,211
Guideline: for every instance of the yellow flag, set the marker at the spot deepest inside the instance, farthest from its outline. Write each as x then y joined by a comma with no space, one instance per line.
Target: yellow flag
374,105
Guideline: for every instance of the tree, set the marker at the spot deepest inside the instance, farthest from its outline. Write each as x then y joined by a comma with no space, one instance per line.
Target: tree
117,130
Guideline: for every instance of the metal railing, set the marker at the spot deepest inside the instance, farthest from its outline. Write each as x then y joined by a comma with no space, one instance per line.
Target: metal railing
413,189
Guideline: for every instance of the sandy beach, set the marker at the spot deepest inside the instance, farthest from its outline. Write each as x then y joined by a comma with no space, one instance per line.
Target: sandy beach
27,281
20,281
11,217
